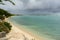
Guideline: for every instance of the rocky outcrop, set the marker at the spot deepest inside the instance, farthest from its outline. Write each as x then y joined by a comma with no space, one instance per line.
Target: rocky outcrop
3,36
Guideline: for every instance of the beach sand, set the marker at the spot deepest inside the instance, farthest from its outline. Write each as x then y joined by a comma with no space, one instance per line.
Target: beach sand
17,33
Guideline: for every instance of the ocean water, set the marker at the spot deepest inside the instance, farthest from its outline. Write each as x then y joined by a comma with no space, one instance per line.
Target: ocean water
48,26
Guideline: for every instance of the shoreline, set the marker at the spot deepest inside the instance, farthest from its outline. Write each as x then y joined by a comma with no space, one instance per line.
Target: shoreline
16,29
21,32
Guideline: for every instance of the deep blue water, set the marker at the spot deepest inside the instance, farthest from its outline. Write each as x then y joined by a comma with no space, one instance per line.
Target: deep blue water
46,25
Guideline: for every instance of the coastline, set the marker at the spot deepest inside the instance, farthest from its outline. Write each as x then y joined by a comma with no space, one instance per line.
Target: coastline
18,33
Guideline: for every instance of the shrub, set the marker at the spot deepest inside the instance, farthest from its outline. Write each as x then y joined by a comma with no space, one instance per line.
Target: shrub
2,17
7,25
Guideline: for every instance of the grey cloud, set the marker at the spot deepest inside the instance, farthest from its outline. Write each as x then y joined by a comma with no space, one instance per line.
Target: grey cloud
43,4
34,5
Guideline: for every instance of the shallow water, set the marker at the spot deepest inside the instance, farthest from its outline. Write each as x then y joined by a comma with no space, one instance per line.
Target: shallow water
49,26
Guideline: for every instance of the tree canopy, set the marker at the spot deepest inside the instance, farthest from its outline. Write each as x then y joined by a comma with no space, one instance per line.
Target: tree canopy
5,26
5,13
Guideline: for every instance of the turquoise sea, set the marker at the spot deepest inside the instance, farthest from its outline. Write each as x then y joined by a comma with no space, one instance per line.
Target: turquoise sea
47,26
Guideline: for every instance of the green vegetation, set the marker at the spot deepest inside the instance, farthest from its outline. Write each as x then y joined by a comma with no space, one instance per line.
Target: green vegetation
4,26
7,25
5,13
2,17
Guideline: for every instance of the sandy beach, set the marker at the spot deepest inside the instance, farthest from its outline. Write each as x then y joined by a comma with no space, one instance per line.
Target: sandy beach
19,34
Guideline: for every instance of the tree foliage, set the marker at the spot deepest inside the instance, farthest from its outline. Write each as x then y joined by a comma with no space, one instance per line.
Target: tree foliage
2,17
1,2
5,13
5,26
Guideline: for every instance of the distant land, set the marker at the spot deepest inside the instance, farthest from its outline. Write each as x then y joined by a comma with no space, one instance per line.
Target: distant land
32,14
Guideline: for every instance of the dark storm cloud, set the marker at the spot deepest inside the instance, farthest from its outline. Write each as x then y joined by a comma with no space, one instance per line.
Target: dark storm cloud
34,5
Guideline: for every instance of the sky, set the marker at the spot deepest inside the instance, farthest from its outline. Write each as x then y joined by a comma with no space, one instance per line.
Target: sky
32,6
